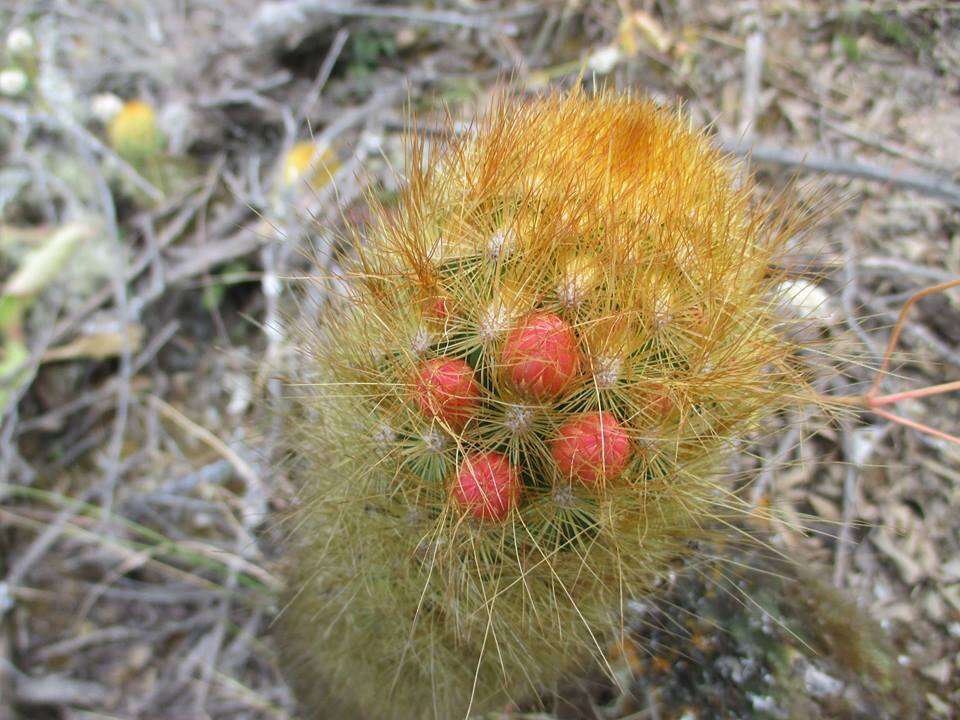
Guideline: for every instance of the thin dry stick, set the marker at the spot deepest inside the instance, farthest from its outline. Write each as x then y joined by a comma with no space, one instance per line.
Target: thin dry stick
898,328
242,467
873,402
20,116
925,184
752,75
926,429
276,20
918,393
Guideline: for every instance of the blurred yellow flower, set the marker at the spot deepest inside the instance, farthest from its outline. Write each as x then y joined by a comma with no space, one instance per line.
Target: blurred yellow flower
311,163
134,133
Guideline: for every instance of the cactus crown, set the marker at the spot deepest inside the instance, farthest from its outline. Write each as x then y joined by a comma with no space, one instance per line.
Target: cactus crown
134,133
517,413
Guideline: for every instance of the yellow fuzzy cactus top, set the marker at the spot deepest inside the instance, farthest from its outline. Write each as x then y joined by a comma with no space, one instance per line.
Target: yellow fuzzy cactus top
516,421
134,133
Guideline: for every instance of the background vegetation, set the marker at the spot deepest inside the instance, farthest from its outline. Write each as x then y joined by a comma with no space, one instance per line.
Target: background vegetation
147,252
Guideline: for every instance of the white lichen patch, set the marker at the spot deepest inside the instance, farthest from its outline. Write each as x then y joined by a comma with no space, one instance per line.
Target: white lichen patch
763,703
820,684
13,81
105,107
605,59
20,41
806,300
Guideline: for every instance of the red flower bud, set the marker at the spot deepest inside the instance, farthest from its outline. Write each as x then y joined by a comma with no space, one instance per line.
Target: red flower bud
541,356
487,486
446,389
591,447
435,308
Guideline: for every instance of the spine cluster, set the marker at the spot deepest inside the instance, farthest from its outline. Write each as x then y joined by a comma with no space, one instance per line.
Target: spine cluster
515,421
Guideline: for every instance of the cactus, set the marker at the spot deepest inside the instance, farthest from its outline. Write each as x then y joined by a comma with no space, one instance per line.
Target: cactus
134,133
515,422
310,163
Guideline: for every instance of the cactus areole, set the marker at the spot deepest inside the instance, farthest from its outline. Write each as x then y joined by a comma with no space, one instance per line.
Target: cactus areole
515,420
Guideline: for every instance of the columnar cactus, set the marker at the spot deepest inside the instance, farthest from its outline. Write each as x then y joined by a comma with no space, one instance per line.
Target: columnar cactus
515,421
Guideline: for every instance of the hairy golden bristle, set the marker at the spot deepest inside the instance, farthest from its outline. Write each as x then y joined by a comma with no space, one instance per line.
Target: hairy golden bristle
519,412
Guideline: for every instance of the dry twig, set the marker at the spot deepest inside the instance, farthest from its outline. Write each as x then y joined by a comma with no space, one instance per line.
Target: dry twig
924,184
